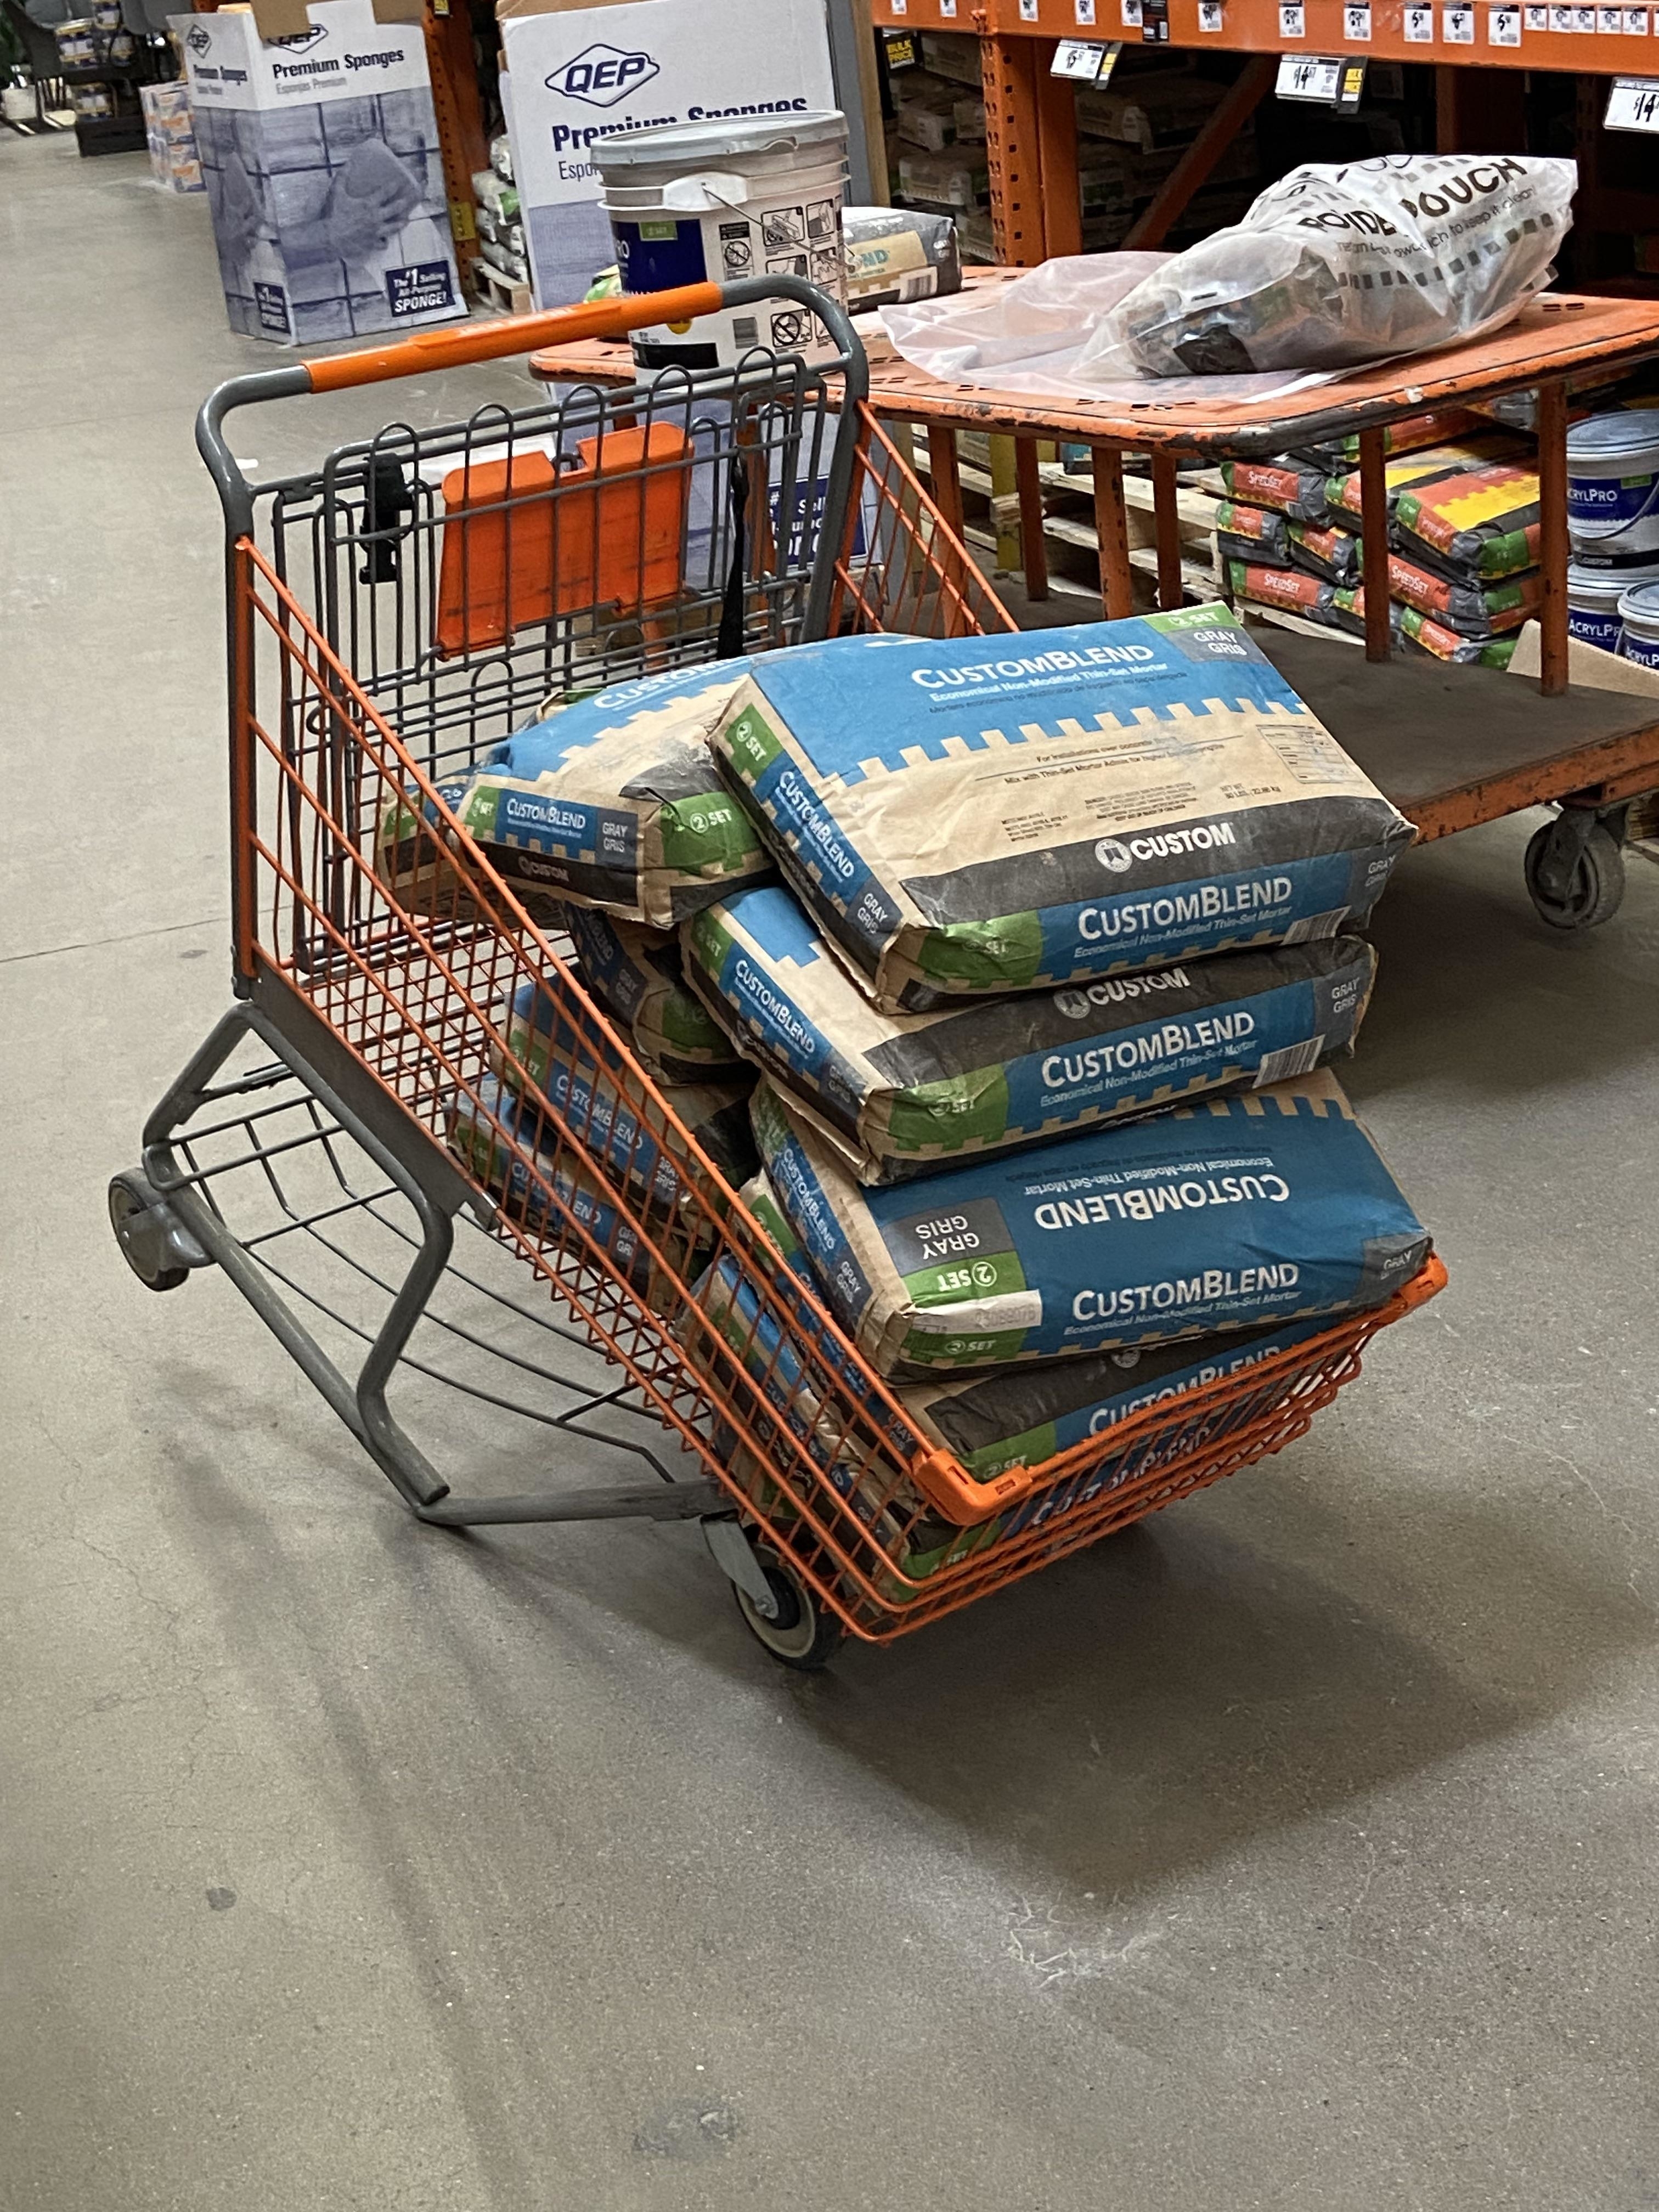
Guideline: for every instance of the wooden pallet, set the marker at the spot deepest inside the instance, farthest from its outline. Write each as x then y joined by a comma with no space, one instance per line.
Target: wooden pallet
499,291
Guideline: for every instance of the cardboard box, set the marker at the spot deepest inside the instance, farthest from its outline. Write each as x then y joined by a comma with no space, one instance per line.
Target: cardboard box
320,156
580,74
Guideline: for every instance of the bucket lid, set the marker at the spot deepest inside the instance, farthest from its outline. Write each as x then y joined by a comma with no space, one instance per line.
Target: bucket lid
691,144
1642,601
1628,431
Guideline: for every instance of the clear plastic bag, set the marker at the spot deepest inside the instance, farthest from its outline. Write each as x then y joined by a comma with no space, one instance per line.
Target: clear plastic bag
1341,265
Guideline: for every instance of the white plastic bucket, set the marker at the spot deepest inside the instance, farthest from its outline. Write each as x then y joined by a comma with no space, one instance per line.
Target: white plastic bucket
1593,598
714,201
1638,615
1612,485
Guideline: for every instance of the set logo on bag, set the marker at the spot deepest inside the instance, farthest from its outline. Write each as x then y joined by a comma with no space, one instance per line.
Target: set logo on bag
601,75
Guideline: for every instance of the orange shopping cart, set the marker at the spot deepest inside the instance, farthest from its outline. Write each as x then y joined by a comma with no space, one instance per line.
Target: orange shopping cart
426,1222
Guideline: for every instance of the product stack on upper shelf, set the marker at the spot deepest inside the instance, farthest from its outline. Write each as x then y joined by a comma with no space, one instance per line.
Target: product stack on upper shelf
104,65
936,151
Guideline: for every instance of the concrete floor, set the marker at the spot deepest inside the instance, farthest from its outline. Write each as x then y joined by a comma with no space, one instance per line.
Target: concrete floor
1297,1851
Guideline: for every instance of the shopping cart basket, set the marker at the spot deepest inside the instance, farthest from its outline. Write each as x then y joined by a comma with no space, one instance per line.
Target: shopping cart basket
391,616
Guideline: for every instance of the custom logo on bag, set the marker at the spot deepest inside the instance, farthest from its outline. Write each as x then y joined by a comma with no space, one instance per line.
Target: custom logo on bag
603,75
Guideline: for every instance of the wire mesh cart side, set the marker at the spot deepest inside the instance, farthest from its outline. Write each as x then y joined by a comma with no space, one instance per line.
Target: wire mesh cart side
366,1102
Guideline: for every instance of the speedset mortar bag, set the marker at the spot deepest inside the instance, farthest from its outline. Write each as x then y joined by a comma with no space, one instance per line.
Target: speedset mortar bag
987,814
614,802
1350,262
1264,1206
901,1094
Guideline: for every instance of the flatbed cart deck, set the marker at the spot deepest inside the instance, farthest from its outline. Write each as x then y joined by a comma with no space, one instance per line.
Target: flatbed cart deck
1448,763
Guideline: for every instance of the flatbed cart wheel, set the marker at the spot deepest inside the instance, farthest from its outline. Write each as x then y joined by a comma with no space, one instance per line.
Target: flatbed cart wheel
139,1232
1587,897
800,1634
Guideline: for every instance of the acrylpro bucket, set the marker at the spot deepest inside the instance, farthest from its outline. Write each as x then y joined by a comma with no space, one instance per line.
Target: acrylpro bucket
1639,617
1613,486
1593,598
714,201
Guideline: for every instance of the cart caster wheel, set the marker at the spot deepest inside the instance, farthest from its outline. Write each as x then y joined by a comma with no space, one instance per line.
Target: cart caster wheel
1591,895
140,1234
800,1634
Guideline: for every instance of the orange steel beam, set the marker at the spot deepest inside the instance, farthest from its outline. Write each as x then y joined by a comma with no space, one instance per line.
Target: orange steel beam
1170,203
1056,131
1012,150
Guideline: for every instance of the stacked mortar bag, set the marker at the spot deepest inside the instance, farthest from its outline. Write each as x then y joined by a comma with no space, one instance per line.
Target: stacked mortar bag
607,819
1064,933
1463,535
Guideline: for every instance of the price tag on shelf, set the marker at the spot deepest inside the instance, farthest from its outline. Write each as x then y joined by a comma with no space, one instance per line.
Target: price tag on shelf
900,49
1535,19
1210,16
1084,12
1561,21
948,8
1028,11
1458,26
1309,76
1503,26
1077,58
1583,22
1129,14
1418,25
1636,22
1356,23
1293,19
1633,104
1154,23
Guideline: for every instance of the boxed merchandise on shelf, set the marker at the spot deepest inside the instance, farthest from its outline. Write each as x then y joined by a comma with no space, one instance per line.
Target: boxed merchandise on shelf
951,54
1152,111
958,178
924,109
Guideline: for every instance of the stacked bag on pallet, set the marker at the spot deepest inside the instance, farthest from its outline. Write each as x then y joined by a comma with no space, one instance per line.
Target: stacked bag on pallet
1041,1008
938,156
1463,534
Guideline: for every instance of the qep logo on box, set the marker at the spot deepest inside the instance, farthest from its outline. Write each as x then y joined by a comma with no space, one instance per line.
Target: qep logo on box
602,75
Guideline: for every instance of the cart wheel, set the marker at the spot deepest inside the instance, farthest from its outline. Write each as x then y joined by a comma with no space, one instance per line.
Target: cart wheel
1596,886
799,1634
139,1233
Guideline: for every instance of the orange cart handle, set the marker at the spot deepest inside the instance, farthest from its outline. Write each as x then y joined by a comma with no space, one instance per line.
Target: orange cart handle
461,344
458,344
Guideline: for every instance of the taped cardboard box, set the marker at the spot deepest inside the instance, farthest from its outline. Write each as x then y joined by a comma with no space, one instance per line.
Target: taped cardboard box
580,74
903,1095
324,175
1264,1206
976,815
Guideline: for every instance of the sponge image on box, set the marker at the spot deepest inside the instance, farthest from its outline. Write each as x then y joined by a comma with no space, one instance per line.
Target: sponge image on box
1260,1206
905,1094
987,814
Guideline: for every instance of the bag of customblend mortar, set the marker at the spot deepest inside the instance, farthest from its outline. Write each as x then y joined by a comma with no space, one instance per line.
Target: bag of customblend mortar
634,973
1350,262
984,815
1264,1206
613,802
908,1094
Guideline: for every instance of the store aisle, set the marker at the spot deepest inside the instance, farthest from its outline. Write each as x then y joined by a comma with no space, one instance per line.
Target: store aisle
1294,1851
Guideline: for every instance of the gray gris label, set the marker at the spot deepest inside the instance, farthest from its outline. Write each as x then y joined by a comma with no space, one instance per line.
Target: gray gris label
947,1235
